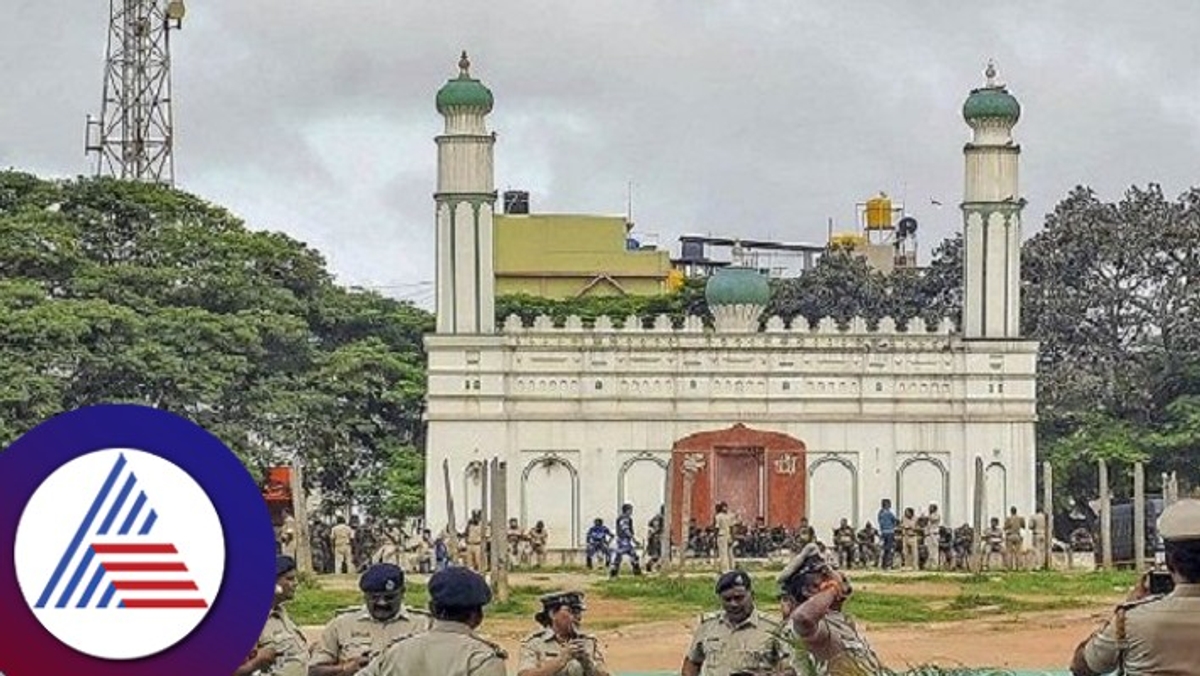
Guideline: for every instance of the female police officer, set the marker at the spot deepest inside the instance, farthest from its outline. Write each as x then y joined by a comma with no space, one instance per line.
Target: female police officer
558,648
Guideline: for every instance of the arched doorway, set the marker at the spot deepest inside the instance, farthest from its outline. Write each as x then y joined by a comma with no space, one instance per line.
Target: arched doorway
758,473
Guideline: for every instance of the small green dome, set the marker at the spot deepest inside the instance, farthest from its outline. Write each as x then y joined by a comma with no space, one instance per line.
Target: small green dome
991,101
464,91
737,286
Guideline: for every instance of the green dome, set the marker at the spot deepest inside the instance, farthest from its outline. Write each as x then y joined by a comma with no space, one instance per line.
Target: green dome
991,103
737,286
464,91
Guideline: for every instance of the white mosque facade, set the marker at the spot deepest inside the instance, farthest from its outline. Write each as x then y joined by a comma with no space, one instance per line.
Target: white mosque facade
792,420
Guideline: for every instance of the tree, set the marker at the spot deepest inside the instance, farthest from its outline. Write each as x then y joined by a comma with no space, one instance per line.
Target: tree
115,291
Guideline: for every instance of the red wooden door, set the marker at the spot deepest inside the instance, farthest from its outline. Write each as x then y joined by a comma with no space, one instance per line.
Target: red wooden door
737,482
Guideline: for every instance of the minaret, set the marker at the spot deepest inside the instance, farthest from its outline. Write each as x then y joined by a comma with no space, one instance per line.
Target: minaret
465,199
991,215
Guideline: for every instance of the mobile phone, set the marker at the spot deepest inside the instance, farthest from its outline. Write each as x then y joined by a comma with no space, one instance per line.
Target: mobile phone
1160,582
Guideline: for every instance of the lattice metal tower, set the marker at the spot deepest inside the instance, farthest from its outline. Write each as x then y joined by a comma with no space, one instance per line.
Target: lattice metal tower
134,137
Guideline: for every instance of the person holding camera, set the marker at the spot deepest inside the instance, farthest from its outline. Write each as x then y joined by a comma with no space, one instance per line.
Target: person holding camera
812,595
1154,632
559,648
358,634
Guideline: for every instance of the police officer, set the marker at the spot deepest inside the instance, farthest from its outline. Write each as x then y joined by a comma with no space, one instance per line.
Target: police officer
559,648
812,594
450,647
598,537
625,543
1155,634
341,539
357,635
282,649
739,639
843,542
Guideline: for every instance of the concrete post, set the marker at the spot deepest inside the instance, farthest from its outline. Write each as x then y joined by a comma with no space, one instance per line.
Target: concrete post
1106,552
977,553
667,555
304,562
485,514
1048,514
499,519
1139,515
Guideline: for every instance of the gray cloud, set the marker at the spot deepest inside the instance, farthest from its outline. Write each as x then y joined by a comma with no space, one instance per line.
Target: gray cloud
761,118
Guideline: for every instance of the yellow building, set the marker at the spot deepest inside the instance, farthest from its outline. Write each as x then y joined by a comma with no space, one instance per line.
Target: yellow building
569,256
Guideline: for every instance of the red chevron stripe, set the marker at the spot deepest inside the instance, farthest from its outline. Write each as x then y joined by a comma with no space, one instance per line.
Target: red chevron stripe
153,585
143,567
134,549
164,603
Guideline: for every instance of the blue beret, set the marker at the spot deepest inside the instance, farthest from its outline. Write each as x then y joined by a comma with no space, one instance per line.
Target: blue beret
458,587
731,579
284,565
382,578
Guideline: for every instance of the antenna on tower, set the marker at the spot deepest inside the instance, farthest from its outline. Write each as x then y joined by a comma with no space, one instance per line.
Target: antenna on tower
134,137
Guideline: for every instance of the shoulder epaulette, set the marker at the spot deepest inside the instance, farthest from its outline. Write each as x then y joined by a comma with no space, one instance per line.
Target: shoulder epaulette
499,652
534,634
416,611
348,610
768,619
398,639
709,617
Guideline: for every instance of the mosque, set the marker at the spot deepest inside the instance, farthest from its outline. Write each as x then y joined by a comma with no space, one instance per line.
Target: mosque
780,421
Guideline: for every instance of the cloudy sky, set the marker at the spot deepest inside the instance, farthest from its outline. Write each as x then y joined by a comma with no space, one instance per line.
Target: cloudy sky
754,118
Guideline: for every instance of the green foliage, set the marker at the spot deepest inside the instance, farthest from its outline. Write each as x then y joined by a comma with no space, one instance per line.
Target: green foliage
125,292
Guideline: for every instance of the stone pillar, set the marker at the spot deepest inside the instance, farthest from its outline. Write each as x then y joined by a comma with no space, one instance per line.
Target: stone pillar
977,554
485,513
667,555
1106,553
304,562
1048,513
1139,516
451,532
499,520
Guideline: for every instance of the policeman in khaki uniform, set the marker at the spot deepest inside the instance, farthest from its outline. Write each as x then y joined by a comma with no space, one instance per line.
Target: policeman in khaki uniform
559,648
282,649
812,596
450,647
738,639
357,635
1155,635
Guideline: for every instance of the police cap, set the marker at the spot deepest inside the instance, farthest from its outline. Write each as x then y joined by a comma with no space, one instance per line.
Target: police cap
284,564
1180,521
570,599
458,587
809,560
382,578
731,579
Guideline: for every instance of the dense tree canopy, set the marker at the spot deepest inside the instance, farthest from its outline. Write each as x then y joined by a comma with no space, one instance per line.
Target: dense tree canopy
123,292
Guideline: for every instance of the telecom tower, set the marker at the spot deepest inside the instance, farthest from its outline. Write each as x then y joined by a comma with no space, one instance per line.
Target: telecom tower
133,139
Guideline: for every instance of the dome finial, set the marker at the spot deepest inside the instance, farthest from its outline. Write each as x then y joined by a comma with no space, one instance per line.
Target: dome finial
464,65
990,73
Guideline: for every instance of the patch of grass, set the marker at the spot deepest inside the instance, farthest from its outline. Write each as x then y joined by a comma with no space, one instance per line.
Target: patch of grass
1043,583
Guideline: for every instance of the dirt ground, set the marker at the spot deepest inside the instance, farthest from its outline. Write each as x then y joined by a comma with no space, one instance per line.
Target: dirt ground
1042,640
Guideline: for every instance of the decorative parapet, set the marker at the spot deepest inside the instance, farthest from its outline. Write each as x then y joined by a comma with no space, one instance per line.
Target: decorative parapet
693,324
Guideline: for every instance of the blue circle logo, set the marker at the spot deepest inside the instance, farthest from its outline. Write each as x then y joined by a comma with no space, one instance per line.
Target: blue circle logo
140,545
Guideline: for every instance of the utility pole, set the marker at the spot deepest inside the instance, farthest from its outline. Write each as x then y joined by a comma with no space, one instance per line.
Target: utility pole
134,137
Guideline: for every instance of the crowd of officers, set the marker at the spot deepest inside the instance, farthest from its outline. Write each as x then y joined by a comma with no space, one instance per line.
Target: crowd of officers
913,540
1151,634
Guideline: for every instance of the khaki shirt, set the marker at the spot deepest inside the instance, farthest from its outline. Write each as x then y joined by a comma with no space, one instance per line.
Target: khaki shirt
1013,526
355,633
722,648
341,535
291,648
447,649
542,646
724,522
908,527
846,654
1160,636
474,534
537,538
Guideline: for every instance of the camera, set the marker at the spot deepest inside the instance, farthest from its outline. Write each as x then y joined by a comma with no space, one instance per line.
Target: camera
1160,582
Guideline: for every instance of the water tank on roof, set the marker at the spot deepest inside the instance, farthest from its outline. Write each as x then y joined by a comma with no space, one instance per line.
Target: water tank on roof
692,250
516,201
879,213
